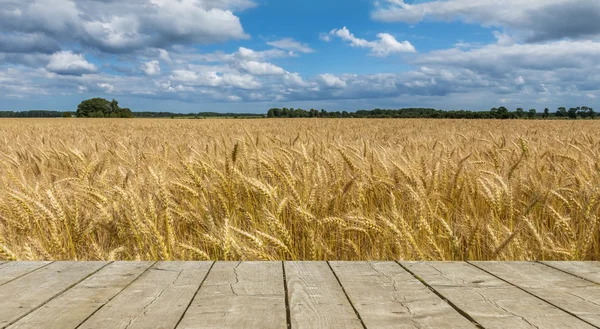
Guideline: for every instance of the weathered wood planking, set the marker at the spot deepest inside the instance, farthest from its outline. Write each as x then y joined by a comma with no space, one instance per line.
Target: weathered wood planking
25,294
239,295
12,270
575,295
387,296
490,301
157,299
78,303
587,270
316,299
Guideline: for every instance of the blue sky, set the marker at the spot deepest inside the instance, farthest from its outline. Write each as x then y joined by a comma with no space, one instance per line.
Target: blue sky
250,55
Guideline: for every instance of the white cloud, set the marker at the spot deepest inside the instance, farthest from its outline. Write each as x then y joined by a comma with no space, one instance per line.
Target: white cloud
68,63
291,44
502,59
164,56
533,20
325,37
332,81
260,68
385,46
503,39
125,26
294,80
151,67
107,87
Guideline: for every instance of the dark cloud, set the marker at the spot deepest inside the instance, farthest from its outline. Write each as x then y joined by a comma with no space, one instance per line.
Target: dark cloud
27,43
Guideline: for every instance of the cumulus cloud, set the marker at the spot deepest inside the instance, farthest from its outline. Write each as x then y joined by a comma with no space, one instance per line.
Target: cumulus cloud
385,46
68,63
291,45
117,27
107,87
332,81
500,59
533,20
151,67
260,68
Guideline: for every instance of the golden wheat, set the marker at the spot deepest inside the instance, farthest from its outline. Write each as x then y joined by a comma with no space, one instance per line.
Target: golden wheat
299,189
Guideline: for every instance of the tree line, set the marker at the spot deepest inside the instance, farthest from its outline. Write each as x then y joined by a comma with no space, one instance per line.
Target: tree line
102,108
495,113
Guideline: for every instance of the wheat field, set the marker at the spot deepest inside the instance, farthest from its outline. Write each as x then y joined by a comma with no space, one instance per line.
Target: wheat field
299,189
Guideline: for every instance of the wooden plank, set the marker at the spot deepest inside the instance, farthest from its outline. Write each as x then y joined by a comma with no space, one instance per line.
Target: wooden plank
387,296
12,270
239,295
157,299
316,299
25,294
78,303
587,270
492,302
575,295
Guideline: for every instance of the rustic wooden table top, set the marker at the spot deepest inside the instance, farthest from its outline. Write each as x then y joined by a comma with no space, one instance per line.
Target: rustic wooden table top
300,295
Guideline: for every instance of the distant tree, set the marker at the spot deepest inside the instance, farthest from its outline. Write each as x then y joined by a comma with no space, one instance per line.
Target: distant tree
124,113
546,113
561,112
93,108
101,108
520,112
502,113
531,114
591,113
572,113
66,115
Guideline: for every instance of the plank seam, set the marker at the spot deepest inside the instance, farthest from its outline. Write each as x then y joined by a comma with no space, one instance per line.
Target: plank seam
454,306
22,275
58,294
347,297
120,291
530,293
567,272
194,297
288,317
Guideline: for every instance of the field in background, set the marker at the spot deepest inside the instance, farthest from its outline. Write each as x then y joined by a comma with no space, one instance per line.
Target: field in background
309,189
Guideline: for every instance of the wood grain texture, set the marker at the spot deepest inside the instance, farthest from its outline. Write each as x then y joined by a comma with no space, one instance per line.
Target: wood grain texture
492,302
563,290
157,299
239,295
316,299
25,294
387,296
75,305
11,270
587,270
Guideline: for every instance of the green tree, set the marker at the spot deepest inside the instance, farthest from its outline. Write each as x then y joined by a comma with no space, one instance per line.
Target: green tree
66,115
520,112
93,108
101,108
114,108
572,113
531,114
502,113
546,113
591,113
561,112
